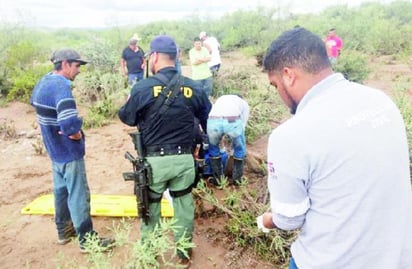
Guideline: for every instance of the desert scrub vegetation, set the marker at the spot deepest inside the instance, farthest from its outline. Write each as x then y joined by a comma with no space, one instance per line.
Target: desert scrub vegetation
100,87
353,65
403,101
158,251
389,31
103,93
8,130
266,108
241,207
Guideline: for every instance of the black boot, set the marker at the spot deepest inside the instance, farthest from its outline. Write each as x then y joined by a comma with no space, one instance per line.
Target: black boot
237,171
217,169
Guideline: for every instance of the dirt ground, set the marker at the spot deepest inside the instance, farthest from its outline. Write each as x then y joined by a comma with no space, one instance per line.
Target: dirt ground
29,241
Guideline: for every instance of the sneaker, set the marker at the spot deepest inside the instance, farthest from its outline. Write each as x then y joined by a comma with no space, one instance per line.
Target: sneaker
66,235
63,241
100,244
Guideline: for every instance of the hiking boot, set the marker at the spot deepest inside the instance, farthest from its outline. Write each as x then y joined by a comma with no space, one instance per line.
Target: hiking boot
100,244
66,235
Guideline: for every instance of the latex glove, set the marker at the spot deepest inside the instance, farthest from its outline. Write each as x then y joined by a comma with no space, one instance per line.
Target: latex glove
259,221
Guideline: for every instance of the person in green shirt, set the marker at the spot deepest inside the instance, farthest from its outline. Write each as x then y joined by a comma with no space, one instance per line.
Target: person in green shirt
199,58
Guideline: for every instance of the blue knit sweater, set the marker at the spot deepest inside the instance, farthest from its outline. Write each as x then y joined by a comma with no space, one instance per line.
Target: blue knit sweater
56,111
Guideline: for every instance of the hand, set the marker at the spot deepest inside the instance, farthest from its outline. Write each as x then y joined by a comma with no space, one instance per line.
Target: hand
259,221
205,140
76,136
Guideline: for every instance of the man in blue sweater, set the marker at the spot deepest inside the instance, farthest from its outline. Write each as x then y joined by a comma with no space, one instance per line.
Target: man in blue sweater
64,140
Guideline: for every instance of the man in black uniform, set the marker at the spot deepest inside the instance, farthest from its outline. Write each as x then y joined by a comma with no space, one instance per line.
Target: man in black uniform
167,133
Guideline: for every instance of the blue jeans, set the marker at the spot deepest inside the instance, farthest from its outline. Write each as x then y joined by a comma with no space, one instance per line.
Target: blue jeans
292,264
214,69
216,128
72,197
206,85
133,78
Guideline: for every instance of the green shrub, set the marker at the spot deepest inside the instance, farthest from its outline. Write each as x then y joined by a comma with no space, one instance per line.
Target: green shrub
100,114
158,251
266,108
241,208
403,102
23,82
22,68
102,55
244,28
93,86
352,65
5,84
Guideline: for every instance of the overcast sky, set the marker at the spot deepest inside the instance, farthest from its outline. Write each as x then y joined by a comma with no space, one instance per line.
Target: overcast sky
108,13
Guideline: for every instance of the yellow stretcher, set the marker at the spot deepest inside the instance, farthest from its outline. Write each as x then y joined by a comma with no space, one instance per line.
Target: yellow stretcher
101,205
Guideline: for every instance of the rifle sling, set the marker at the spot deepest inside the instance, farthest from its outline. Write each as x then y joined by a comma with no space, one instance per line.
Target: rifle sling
180,193
164,100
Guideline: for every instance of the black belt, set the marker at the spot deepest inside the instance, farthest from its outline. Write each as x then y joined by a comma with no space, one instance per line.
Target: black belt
228,118
168,150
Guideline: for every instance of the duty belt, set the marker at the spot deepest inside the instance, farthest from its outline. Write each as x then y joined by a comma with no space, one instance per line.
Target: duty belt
168,150
228,118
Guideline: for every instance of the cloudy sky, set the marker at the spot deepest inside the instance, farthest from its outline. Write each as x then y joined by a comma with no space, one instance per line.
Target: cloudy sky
107,13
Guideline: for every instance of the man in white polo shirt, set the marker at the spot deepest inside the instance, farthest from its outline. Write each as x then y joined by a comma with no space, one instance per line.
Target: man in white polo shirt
339,168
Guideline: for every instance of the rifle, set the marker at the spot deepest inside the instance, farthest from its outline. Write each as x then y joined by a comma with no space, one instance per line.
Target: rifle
146,75
141,175
199,164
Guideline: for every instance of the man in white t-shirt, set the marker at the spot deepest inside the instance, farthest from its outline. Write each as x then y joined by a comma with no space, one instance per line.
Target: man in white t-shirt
228,116
213,46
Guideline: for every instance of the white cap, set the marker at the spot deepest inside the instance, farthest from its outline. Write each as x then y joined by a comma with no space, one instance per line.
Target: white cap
202,35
